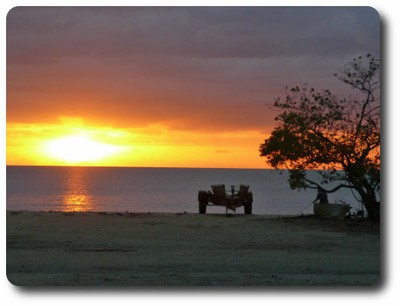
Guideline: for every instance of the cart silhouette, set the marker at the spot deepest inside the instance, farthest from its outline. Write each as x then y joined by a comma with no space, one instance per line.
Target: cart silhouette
231,201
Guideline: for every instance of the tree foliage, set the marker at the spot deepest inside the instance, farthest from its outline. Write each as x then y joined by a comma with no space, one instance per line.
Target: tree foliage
321,131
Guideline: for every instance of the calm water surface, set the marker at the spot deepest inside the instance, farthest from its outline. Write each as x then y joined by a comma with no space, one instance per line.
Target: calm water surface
150,189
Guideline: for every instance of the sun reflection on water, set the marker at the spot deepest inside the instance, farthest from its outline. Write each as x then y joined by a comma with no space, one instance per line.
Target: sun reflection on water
77,202
76,197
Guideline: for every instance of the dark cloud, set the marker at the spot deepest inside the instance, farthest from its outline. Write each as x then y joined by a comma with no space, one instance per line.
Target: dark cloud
191,32
207,66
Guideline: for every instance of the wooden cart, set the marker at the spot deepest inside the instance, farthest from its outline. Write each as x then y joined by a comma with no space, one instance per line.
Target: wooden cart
231,200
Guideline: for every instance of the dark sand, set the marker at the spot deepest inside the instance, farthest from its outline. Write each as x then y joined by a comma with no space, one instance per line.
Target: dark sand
124,249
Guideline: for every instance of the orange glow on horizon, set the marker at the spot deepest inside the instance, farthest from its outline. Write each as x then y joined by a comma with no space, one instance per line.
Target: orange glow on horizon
72,142
78,148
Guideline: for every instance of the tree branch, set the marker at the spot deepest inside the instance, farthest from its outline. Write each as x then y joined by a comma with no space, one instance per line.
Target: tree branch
326,190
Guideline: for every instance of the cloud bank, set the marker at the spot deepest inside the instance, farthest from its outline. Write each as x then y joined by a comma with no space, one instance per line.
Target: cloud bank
187,68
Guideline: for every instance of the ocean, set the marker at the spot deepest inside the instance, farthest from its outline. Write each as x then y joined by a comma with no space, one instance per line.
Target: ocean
165,190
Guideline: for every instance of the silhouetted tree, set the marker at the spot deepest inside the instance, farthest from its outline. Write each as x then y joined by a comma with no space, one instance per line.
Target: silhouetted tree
323,132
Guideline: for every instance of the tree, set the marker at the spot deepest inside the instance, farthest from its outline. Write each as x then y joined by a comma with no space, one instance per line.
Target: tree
339,138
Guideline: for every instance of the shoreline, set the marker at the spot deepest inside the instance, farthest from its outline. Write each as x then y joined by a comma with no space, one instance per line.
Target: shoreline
126,213
188,249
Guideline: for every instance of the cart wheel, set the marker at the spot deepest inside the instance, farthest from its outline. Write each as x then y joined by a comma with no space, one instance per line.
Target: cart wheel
203,201
248,205
248,208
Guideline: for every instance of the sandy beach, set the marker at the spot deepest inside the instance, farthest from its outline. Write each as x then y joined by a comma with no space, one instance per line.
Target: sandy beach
131,249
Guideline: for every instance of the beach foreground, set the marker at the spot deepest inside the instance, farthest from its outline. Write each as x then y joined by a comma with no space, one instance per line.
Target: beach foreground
131,249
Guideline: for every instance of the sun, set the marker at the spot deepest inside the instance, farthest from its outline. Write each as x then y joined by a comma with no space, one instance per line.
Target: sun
78,149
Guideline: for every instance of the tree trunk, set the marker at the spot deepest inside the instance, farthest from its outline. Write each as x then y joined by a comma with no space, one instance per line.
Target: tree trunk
373,209
369,200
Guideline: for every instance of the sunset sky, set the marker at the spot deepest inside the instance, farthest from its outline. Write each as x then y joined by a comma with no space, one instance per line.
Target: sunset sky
166,87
